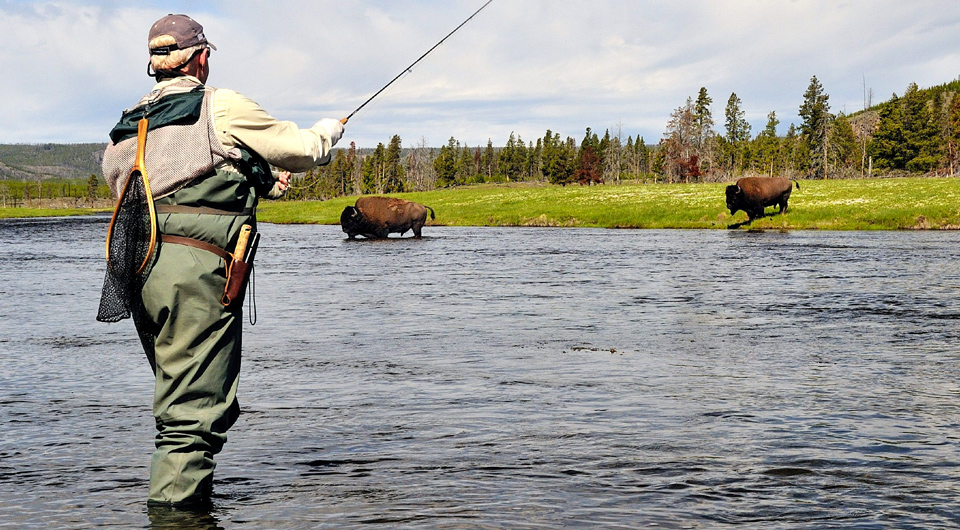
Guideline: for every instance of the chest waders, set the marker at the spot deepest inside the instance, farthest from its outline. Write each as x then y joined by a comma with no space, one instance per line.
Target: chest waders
194,345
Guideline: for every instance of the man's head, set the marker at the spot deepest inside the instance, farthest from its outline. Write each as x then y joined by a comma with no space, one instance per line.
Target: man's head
178,46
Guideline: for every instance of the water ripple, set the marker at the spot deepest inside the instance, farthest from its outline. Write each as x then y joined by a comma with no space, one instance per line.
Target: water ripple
513,378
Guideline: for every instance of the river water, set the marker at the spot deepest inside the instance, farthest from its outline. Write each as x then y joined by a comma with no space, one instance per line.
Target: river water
512,378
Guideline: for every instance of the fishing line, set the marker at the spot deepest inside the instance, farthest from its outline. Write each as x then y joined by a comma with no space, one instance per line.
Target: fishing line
410,68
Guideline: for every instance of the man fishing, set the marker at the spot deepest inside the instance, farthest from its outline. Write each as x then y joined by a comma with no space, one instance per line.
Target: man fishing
206,154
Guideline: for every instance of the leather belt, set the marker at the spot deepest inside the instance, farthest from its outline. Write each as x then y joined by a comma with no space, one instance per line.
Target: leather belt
196,243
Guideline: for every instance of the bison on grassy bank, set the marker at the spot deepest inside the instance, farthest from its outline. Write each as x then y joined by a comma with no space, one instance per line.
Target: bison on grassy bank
753,194
377,217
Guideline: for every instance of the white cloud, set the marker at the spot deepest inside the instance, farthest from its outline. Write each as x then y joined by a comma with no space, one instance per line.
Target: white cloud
521,65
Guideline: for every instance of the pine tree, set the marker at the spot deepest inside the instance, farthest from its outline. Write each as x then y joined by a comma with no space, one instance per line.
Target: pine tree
738,132
795,153
394,180
770,131
768,147
465,173
738,129
952,143
489,160
557,159
510,162
520,156
843,144
643,155
93,184
604,146
888,147
341,173
373,170
920,127
478,165
536,161
703,127
445,164
355,166
704,136
815,129
587,169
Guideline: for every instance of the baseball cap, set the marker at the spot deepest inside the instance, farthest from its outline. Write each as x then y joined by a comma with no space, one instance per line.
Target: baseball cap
185,30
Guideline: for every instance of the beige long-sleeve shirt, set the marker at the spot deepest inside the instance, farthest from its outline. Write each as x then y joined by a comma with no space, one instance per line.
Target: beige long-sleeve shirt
240,120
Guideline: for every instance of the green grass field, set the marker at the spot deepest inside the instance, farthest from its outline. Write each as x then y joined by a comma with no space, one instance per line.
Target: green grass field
19,212
871,204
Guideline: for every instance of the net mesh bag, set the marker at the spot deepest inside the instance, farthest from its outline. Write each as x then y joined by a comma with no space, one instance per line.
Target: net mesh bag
131,245
128,247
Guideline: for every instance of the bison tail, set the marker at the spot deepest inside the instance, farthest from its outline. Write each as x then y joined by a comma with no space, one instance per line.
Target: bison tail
797,183
432,215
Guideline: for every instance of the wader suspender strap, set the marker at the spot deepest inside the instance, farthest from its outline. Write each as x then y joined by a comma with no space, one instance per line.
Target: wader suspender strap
196,243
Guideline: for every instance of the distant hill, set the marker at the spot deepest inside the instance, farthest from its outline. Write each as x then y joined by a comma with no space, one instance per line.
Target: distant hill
60,161
50,161
942,92
869,119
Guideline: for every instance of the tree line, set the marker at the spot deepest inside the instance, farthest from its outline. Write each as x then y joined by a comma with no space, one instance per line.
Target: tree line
916,133
392,169
55,193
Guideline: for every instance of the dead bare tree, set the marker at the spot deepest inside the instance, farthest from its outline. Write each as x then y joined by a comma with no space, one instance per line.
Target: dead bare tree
419,165
613,165
681,160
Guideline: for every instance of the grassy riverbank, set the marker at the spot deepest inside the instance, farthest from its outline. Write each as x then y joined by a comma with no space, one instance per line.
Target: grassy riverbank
872,204
20,212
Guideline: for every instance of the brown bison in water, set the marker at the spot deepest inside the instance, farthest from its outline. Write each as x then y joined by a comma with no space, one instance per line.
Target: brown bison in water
753,194
376,217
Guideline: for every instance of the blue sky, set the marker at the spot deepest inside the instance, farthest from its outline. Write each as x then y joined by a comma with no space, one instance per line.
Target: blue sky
68,69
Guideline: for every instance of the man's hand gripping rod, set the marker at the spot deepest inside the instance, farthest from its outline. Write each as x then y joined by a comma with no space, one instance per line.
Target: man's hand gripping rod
410,68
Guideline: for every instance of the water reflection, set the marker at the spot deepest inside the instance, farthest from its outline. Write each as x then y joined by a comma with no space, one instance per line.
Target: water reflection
162,518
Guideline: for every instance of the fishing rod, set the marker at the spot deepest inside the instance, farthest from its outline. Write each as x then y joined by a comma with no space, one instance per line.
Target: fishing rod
410,68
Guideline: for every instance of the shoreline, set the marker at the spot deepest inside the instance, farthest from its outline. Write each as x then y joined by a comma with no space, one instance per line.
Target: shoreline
909,203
